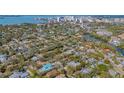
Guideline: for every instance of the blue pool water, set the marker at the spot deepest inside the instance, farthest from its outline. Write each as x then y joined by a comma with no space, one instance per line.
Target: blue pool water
47,67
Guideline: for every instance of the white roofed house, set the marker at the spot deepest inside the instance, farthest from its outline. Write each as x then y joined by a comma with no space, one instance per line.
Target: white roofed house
115,41
103,32
3,58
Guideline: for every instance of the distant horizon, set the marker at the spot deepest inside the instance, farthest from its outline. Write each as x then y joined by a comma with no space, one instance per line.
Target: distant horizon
20,19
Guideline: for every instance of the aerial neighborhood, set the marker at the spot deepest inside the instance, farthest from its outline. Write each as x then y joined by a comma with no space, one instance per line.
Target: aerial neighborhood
63,47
